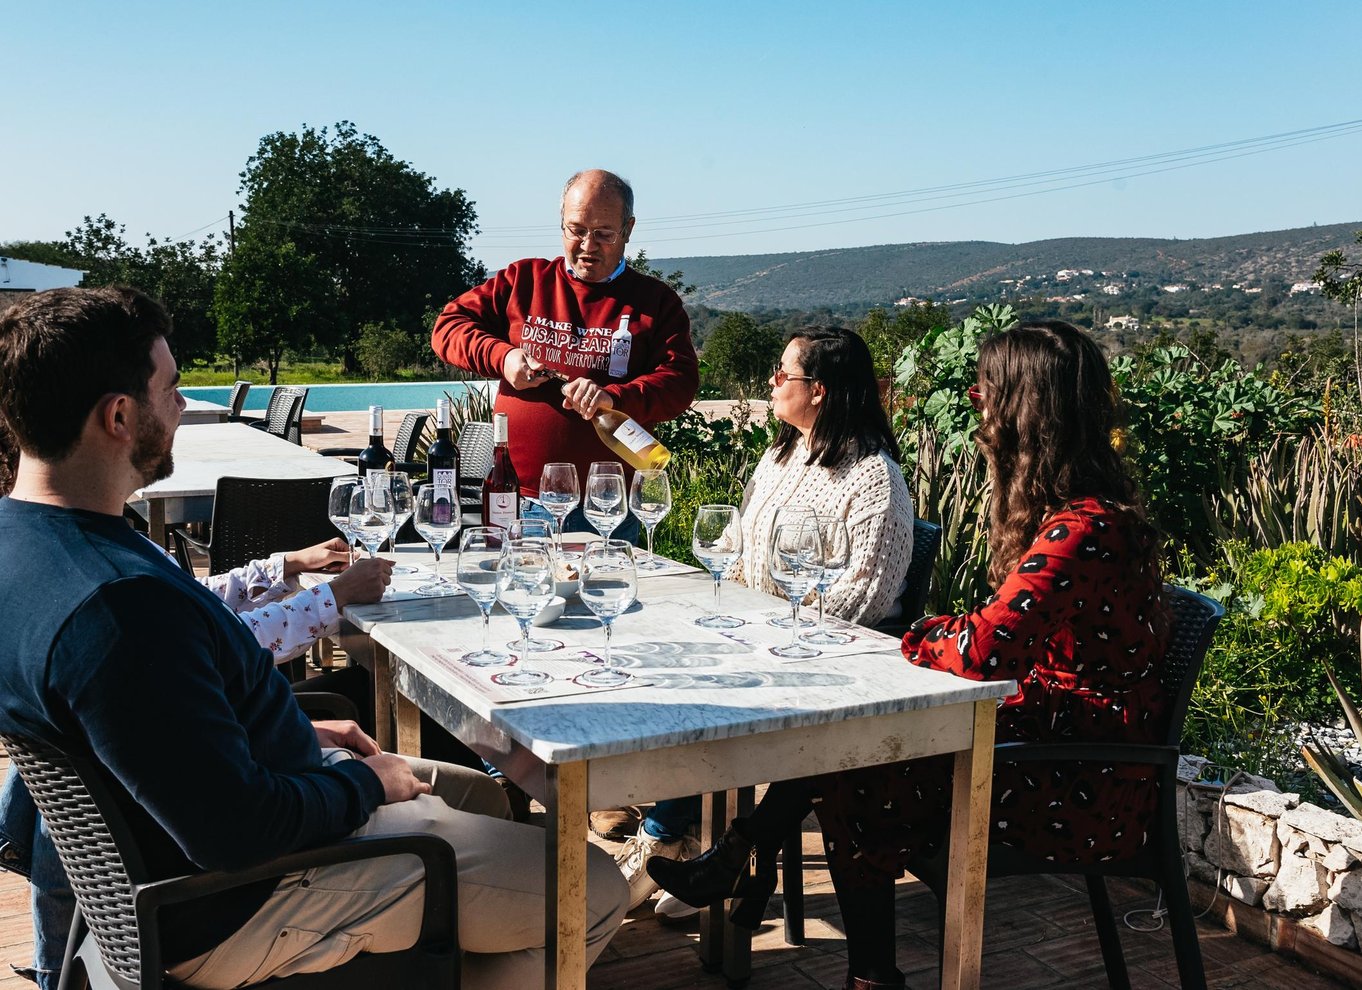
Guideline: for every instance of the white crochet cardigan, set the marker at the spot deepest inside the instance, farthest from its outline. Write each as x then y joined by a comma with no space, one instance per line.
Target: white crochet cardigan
869,493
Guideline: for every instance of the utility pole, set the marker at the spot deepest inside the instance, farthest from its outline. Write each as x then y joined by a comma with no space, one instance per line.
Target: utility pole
231,229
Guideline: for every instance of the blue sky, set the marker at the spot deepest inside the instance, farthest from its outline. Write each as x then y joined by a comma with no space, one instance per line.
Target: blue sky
148,111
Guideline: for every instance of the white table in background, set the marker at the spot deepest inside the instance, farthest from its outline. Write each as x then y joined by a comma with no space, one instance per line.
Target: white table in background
197,412
203,454
707,730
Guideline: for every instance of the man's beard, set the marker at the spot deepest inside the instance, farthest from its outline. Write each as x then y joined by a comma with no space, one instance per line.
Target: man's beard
151,450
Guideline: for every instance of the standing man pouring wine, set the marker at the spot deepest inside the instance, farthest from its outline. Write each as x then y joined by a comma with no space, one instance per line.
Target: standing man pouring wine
575,336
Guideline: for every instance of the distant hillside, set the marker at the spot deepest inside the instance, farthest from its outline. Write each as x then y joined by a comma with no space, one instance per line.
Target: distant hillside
972,270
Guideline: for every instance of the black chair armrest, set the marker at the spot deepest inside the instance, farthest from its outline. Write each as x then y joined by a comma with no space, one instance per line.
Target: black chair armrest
413,468
183,541
1067,752
258,424
238,418
326,705
341,451
439,921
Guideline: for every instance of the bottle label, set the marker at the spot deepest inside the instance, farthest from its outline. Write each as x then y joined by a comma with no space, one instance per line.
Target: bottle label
621,344
443,478
633,436
501,508
442,513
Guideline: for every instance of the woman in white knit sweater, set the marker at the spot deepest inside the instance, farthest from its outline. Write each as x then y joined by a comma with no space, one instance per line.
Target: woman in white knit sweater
836,454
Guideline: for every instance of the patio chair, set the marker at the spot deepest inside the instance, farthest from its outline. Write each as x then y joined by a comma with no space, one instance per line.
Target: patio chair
115,940
236,400
284,414
1194,620
475,461
912,603
404,446
255,517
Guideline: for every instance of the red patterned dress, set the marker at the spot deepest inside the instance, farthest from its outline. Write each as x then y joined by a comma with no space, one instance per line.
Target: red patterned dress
1079,629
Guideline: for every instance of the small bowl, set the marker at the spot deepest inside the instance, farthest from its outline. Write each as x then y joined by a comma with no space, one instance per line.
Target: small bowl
566,589
550,613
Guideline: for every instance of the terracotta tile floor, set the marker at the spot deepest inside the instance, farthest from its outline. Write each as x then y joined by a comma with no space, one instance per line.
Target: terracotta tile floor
1038,933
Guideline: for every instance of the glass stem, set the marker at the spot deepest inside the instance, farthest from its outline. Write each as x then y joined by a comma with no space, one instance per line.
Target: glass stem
649,531
486,621
437,572
524,643
607,644
822,623
718,579
794,624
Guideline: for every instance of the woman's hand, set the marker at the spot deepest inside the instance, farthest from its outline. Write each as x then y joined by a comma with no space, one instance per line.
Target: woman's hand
333,555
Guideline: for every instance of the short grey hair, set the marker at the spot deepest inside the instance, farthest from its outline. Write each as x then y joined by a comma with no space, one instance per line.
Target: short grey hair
610,182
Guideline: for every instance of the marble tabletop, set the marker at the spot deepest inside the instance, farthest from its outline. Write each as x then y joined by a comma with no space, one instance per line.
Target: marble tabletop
697,692
199,411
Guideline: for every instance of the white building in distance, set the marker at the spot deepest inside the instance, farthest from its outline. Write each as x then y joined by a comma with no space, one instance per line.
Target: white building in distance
18,278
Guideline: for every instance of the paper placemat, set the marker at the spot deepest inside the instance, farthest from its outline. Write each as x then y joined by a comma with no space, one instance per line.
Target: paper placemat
565,666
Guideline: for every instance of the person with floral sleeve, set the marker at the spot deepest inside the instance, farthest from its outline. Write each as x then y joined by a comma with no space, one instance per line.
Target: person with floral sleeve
1077,622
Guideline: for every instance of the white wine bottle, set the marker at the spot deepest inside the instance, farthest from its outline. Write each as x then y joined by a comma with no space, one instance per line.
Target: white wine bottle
625,437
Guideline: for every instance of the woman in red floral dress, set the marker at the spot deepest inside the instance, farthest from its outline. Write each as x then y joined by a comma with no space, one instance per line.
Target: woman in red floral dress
1077,621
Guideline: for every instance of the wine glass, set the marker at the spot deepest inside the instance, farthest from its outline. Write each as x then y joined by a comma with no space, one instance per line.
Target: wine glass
716,542
604,505
836,558
524,587
650,498
399,483
371,516
559,493
796,564
436,511
479,551
338,508
538,531
609,587
790,514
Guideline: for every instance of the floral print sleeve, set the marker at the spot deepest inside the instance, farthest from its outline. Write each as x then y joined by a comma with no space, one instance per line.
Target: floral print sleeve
288,628
257,583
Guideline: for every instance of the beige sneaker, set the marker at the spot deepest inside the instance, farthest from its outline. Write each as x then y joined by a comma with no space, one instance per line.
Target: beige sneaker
633,857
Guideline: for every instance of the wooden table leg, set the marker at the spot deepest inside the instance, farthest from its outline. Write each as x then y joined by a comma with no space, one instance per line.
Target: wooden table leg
156,521
738,941
383,699
408,725
713,821
565,878
967,871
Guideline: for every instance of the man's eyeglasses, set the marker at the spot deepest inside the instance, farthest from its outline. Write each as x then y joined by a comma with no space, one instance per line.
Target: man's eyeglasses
780,377
601,235
976,398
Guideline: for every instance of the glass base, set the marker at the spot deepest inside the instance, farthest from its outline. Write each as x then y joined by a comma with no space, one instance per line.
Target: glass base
785,621
437,589
604,677
538,645
404,569
485,658
719,622
521,677
796,652
651,564
826,637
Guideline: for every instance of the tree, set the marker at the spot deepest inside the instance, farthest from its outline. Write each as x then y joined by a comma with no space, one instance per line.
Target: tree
740,353
178,274
40,252
268,299
887,337
388,244
1342,281
677,279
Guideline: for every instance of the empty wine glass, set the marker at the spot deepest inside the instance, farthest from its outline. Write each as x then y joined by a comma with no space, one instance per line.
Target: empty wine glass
537,531
716,542
650,498
399,483
338,508
604,505
479,551
436,512
524,587
609,587
784,515
559,493
836,558
371,516
796,564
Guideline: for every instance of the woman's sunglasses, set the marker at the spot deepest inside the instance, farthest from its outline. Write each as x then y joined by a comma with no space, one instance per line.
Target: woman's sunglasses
976,398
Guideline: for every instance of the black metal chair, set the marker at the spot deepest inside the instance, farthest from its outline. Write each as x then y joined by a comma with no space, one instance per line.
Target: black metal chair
912,603
284,414
405,445
115,940
255,517
1194,619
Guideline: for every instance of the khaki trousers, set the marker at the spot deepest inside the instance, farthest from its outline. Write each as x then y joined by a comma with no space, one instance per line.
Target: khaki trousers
322,918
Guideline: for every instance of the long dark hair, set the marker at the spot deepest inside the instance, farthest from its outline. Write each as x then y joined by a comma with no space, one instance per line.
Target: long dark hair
1050,408
852,417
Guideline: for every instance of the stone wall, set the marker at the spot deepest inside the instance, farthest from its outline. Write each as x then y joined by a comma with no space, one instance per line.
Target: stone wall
1270,850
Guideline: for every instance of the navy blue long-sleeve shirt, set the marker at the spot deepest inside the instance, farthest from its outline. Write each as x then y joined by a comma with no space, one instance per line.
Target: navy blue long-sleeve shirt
113,650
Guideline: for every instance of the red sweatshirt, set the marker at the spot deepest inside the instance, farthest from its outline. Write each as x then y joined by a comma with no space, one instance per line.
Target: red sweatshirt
649,369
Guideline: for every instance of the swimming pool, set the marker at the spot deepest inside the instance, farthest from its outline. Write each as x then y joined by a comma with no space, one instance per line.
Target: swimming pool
349,397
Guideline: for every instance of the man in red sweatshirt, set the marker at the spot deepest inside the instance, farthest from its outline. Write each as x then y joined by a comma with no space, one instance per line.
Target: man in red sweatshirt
620,337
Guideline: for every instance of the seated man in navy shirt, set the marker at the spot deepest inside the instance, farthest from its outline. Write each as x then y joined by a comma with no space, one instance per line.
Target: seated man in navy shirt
112,650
